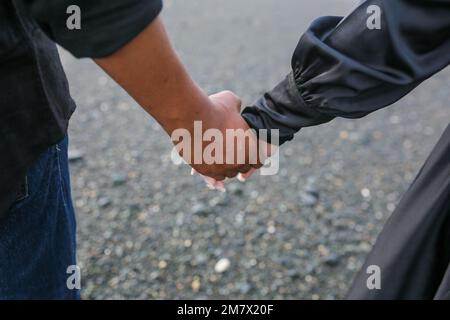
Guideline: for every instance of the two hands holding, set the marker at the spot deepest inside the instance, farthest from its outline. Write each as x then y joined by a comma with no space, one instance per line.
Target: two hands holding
242,156
149,69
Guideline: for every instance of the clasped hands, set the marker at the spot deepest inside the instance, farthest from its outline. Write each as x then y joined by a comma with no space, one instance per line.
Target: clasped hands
222,145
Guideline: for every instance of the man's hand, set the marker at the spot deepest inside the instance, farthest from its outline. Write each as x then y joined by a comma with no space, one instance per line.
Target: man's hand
238,140
214,175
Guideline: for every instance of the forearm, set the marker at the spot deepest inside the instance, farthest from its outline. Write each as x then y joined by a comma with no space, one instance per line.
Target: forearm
149,69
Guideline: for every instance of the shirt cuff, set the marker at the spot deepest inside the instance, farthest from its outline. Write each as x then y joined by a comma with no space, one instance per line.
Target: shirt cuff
106,28
282,108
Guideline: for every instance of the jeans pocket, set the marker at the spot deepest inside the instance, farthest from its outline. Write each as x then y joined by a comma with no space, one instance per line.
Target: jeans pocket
23,191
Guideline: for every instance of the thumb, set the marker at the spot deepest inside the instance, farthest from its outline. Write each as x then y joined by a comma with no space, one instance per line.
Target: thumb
228,99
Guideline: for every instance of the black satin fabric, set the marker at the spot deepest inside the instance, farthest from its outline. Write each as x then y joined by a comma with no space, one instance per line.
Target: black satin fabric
413,250
341,68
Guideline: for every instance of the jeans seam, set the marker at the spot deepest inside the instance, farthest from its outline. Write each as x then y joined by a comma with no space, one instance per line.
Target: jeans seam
24,195
61,179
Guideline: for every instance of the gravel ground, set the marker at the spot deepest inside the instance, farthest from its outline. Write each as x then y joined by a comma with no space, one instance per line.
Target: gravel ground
148,230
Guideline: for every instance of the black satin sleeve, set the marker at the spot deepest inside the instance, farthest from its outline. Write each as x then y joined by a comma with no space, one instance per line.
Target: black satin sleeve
343,68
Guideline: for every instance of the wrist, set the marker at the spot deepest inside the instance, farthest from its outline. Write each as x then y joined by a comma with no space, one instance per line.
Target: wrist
186,107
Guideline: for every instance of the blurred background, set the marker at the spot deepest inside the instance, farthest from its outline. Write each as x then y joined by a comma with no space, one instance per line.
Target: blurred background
149,230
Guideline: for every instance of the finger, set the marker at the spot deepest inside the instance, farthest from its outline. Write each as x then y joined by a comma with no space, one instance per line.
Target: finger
209,181
213,184
220,185
210,186
244,176
210,177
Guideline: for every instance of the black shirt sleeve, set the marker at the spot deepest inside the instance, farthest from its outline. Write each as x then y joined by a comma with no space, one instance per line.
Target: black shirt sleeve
342,68
106,25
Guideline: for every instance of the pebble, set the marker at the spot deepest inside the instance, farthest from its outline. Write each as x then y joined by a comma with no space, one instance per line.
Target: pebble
162,264
222,265
200,209
104,202
309,199
293,273
75,155
235,189
196,284
201,259
365,192
332,260
118,179
244,287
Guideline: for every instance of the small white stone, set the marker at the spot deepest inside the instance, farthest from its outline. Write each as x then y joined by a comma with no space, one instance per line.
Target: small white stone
75,154
365,193
271,229
222,265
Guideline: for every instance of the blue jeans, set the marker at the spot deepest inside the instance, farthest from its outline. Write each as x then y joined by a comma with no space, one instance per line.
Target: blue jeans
37,236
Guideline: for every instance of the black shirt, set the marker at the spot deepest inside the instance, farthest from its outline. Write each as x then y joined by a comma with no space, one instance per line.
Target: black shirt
343,68
35,103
